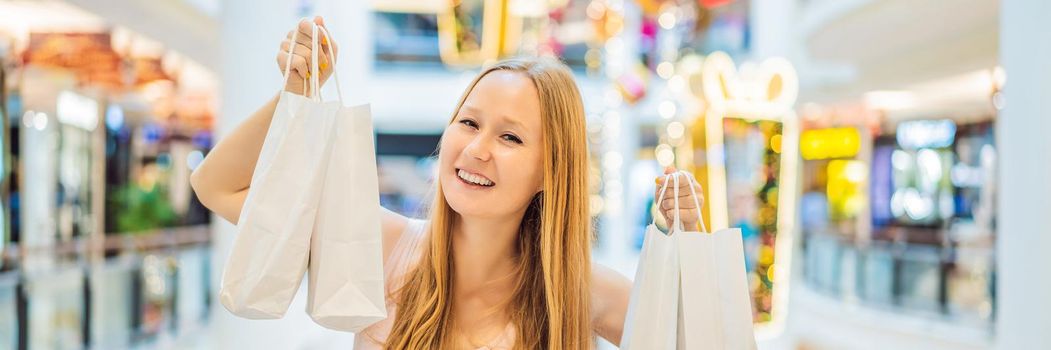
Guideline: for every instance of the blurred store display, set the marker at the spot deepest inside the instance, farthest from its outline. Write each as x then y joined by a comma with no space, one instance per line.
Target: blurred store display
104,244
748,134
869,163
407,166
898,203
468,34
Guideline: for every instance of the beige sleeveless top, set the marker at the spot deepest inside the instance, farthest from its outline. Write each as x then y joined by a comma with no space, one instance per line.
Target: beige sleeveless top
402,258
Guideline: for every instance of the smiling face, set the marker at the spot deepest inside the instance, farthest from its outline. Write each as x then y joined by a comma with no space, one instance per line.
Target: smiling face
490,155
521,129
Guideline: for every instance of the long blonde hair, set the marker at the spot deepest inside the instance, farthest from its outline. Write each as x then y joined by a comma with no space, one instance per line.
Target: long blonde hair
550,305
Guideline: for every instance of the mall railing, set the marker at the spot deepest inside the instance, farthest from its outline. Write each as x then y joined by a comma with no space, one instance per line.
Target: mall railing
125,291
946,283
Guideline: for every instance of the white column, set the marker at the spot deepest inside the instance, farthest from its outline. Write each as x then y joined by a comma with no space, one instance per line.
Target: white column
350,23
250,36
627,144
773,33
620,217
1023,286
773,24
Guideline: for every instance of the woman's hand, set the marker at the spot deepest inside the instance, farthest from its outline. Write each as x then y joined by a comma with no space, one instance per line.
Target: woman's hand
301,56
687,207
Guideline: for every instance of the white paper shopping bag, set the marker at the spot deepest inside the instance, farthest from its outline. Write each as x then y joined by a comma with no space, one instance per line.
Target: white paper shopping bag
714,306
651,321
714,309
346,283
653,307
711,308
269,254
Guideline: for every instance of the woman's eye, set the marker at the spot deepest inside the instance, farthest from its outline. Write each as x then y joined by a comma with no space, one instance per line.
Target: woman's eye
469,123
512,138
507,137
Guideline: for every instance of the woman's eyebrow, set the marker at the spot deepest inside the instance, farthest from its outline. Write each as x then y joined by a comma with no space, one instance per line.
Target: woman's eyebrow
506,119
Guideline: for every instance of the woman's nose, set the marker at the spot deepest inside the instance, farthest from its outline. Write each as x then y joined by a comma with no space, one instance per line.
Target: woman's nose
478,149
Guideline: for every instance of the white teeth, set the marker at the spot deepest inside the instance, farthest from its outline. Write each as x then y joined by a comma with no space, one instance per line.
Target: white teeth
473,179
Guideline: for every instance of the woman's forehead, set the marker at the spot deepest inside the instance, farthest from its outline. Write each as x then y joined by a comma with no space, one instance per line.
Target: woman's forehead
505,95
506,85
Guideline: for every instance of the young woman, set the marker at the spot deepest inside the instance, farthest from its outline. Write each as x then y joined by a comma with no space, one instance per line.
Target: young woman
503,260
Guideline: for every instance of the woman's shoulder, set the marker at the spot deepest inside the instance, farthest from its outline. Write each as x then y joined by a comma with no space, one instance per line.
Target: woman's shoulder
397,228
405,247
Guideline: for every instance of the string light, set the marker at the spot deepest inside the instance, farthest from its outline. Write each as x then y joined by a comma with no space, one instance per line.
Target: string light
610,12
665,70
676,130
667,109
677,85
665,155
667,20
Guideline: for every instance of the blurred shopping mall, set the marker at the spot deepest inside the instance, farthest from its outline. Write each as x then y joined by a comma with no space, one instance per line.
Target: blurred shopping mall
886,160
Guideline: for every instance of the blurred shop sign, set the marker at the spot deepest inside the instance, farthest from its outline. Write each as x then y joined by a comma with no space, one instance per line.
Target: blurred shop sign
410,6
148,69
830,143
465,41
766,89
77,110
714,3
89,55
919,134
195,111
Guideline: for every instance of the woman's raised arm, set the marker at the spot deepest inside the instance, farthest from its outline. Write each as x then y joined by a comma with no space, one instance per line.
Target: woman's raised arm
221,181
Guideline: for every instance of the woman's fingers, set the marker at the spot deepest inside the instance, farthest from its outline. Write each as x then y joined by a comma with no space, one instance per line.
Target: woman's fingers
300,60
684,186
687,189
688,198
301,38
306,34
305,40
306,29
300,49
299,65
301,53
304,52
684,203
685,215
282,62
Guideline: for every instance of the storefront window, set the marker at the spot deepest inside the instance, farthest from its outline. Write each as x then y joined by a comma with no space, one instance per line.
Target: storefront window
101,130
752,179
927,247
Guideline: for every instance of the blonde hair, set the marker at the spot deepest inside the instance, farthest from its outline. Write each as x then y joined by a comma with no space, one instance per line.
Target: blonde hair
550,305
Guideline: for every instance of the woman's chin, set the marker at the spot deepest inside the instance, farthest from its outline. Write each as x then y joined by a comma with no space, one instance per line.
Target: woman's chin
466,207
466,211
473,202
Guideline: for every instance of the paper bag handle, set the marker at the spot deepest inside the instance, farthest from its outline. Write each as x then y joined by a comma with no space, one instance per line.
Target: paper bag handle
316,74
288,62
677,222
315,71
